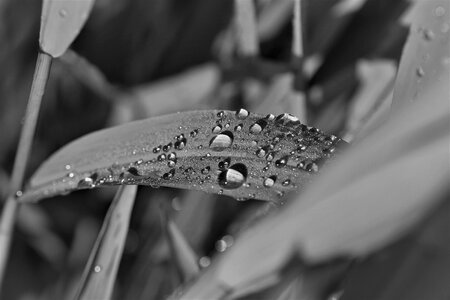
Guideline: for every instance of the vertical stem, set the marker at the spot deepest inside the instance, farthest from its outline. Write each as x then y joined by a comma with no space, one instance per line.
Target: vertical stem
23,151
246,32
297,44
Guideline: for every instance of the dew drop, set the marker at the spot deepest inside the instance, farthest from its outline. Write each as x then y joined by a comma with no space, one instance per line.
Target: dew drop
157,149
180,144
62,13
19,193
439,11
162,157
67,167
286,182
171,163
270,181
206,170
420,72
260,152
193,133
428,34
238,127
221,141
224,164
172,156
234,177
217,129
204,261
287,120
270,156
242,114
71,175
281,162
169,174
97,269
270,117
220,114
167,147
257,127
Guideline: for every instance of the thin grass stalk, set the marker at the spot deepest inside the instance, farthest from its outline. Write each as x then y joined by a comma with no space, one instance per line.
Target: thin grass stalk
246,31
10,209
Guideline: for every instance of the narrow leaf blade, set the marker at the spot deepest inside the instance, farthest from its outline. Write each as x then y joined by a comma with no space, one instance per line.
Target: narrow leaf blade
240,154
101,270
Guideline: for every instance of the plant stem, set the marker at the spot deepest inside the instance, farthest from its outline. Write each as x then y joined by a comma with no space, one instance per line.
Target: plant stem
11,206
246,32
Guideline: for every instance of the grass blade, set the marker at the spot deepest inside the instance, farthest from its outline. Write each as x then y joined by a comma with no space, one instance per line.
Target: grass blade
246,34
184,257
101,270
240,154
61,22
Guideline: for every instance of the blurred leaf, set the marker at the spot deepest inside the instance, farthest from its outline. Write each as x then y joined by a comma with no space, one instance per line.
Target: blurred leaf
101,270
426,57
183,256
61,22
358,205
238,154
415,268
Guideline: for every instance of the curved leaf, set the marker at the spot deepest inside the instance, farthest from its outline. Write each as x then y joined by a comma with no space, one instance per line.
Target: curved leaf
239,154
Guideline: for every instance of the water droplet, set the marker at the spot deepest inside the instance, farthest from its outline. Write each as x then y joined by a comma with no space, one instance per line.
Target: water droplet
287,120
428,34
260,152
62,13
172,156
193,133
439,11
220,114
171,163
169,174
238,127
71,175
224,164
420,72
233,177
242,114
180,144
206,170
217,128
258,126
221,141
270,156
67,167
19,193
133,171
97,269
87,182
286,182
270,117
139,162
221,246
204,261
157,149
270,181
161,157
167,147
281,162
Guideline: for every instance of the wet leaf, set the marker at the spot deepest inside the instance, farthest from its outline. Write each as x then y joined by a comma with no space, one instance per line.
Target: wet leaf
426,56
101,270
225,152
61,22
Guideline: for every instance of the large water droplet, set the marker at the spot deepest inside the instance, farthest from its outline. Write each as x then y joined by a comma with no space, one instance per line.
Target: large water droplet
221,141
258,126
233,177
242,114
270,181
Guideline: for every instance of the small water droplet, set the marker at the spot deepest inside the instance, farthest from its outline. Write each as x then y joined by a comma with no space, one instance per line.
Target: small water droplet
428,34
161,157
221,246
439,11
19,193
221,141
238,127
62,13
220,114
270,117
67,167
171,163
270,181
420,72
217,129
172,156
286,182
281,162
270,156
206,170
258,126
233,177
260,152
169,174
204,261
167,147
224,164
157,149
97,269
193,133
180,144
242,114
139,162
71,175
